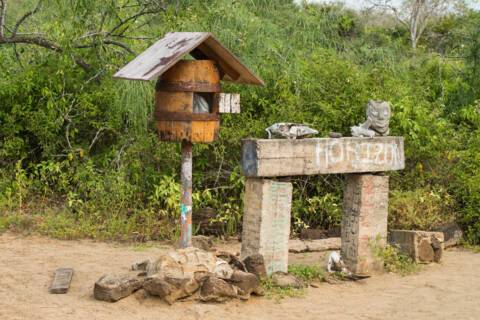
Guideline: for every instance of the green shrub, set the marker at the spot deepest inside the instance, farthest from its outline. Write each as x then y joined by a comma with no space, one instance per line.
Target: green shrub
78,142
393,259
421,209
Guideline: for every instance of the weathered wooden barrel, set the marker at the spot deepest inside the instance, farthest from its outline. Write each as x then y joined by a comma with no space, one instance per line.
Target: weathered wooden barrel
186,107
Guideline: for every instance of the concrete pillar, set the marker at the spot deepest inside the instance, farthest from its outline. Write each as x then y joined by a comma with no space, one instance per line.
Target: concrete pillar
266,222
364,221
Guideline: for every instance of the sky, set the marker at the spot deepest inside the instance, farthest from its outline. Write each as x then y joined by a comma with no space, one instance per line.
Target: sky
359,4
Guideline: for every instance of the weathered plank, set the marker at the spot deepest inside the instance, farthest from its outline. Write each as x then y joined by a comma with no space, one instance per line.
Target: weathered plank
229,103
281,157
166,52
61,280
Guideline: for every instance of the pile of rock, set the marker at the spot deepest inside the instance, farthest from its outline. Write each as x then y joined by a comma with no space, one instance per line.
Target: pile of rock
187,273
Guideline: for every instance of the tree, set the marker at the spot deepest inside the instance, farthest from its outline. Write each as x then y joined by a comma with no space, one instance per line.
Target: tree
416,14
121,15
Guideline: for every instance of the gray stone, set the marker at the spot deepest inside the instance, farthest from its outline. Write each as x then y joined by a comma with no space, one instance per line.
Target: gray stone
217,290
425,250
378,120
286,280
266,222
364,222
452,233
255,264
61,280
113,288
437,246
246,282
170,289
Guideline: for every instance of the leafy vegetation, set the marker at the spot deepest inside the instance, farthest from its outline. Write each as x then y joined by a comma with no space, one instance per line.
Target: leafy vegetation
79,156
307,273
394,260
273,291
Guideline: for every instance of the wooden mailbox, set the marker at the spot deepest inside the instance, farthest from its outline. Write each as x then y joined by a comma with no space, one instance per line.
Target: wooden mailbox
186,102
188,97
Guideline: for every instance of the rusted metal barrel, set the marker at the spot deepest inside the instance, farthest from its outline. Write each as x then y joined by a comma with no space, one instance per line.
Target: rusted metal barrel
185,103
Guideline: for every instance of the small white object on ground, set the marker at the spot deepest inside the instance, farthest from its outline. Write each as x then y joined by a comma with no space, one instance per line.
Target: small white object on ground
335,263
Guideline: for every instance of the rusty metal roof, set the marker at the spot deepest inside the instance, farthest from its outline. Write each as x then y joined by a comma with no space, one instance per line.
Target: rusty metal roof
164,53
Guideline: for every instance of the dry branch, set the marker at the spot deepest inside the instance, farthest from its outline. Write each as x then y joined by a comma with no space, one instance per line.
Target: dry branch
3,14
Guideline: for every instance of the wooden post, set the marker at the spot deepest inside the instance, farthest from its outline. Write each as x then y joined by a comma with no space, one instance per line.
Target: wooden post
186,195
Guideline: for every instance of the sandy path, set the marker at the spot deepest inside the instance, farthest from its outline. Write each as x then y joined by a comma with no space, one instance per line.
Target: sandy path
447,291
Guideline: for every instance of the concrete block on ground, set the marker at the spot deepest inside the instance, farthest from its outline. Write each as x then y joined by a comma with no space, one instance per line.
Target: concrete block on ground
422,246
452,234
364,221
266,222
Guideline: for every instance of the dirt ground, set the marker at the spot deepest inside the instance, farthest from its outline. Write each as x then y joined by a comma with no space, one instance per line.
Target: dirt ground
450,290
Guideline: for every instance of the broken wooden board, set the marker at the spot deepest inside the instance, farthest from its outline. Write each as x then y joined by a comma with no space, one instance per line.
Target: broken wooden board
229,102
284,157
61,280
